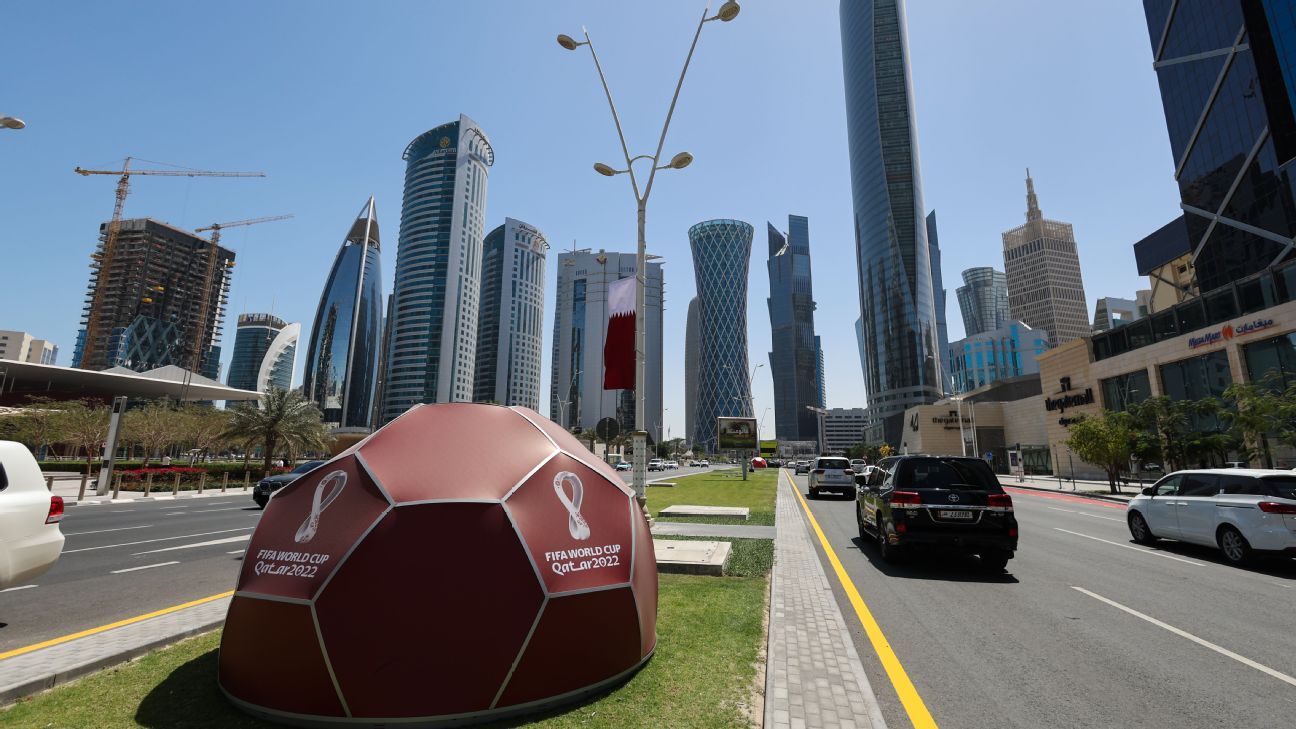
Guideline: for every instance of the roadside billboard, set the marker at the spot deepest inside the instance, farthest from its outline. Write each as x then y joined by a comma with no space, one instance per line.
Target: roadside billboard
736,434
768,447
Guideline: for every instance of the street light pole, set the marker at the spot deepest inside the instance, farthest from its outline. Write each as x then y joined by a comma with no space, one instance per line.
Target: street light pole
728,11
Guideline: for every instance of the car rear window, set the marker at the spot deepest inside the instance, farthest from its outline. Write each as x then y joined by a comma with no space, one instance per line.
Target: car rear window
946,473
833,463
1281,486
303,468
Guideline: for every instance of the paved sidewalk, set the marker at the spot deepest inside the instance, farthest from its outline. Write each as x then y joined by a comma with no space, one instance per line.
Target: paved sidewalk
813,675
694,529
44,668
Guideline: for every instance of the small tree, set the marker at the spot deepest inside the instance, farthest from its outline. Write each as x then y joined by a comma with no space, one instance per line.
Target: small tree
155,427
204,427
84,425
36,426
284,418
1256,412
1107,441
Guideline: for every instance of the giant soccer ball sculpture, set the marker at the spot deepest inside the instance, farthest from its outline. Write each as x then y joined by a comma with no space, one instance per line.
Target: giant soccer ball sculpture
464,563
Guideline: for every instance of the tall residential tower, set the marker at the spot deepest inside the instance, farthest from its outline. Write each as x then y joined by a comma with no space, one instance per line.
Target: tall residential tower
512,312
432,349
899,334
983,300
795,359
265,350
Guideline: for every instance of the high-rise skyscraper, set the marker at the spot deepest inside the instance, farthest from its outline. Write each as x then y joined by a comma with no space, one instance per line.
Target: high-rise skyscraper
432,349
509,334
897,303
692,358
1227,71
938,293
265,351
23,347
157,304
721,255
1042,266
794,357
576,394
342,356
983,300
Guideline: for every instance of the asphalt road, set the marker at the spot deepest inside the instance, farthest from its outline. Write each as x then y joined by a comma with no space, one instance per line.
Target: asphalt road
126,559
1029,648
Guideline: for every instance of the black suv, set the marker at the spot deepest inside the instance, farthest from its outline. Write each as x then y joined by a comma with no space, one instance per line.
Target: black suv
265,489
940,502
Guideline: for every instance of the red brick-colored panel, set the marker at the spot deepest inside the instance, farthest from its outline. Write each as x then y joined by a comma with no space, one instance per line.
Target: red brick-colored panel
645,584
454,451
428,614
581,640
308,527
270,657
568,443
576,524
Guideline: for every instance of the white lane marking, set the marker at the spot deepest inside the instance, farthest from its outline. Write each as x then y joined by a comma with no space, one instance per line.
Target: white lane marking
159,539
226,540
168,508
176,513
1152,552
1081,513
237,551
20,587
101,531
1185,634
207,511
143,567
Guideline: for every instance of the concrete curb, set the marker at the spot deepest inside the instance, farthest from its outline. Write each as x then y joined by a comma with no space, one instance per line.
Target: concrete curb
208,494
49,680
1100,497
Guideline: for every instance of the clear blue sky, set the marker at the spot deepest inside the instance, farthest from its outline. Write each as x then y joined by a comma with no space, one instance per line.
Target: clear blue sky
324,96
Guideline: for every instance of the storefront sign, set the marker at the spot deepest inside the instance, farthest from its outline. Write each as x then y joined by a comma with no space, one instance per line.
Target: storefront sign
1228,331
1070,401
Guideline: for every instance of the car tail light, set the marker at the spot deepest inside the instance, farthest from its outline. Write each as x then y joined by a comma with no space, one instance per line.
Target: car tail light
905,497
56,510
1012,532
849,472
819,471
1273,507
1003,501
901,527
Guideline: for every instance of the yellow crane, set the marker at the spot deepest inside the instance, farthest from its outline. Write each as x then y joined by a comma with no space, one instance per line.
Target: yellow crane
105,257
212,249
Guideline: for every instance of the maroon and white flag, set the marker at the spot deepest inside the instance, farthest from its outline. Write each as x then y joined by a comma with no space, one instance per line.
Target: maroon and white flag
619,346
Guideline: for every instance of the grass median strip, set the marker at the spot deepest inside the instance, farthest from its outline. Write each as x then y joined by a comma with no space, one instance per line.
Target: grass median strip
709,638
749,558
720,488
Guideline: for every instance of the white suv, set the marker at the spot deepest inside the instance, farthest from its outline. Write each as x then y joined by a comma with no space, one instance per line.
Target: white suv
832,474
1241,511
30,540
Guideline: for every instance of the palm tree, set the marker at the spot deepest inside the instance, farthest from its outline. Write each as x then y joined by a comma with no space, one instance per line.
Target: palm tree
284,418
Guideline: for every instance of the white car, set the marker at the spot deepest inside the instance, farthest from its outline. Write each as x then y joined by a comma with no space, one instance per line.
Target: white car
656,464
831,474
1241,511
858,465
30,540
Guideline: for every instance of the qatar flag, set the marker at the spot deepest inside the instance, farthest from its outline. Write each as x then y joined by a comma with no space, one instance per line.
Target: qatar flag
619,346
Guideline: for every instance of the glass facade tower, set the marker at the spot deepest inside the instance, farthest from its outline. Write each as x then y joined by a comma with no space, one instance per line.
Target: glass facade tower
794,357
721,255
432,345
342,355
265,348
1225,69
509,334
983,300
897,305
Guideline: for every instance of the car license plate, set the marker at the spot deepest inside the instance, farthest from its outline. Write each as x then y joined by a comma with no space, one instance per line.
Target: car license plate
955,514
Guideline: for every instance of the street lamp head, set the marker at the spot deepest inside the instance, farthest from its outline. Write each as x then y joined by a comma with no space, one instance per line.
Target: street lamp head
728,11
680,161
568,42
604,170
9,122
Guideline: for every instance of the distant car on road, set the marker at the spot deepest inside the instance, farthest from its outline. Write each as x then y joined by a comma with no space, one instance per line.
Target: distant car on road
1241,511
656,464
802,467
267,486
704,463
30,540
858,465
936,502
831,474
672,465
623,465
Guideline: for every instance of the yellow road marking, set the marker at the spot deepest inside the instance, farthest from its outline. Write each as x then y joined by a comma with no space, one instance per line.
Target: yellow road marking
110,626
904,688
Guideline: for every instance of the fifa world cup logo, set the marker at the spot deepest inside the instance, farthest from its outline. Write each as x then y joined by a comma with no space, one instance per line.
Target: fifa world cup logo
329,488
576,523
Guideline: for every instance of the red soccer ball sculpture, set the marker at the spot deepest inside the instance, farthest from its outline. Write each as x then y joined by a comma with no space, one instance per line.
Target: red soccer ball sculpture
759,462
464,563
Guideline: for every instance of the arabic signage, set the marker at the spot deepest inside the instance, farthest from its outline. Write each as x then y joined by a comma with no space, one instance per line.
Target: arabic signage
1228,331
379,589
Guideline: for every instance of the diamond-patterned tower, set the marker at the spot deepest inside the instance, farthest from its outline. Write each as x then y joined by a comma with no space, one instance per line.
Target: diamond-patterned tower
721,253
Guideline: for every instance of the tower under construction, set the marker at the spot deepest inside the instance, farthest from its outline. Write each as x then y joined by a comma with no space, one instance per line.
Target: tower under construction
161,301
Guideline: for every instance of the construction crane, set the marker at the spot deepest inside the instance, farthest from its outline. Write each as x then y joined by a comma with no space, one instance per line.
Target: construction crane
105,257
203,307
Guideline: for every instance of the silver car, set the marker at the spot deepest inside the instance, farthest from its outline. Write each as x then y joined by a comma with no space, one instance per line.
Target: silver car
832,474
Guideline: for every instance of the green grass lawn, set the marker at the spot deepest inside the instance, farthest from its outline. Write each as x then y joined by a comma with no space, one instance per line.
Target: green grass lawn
709,635
720,488
749,558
